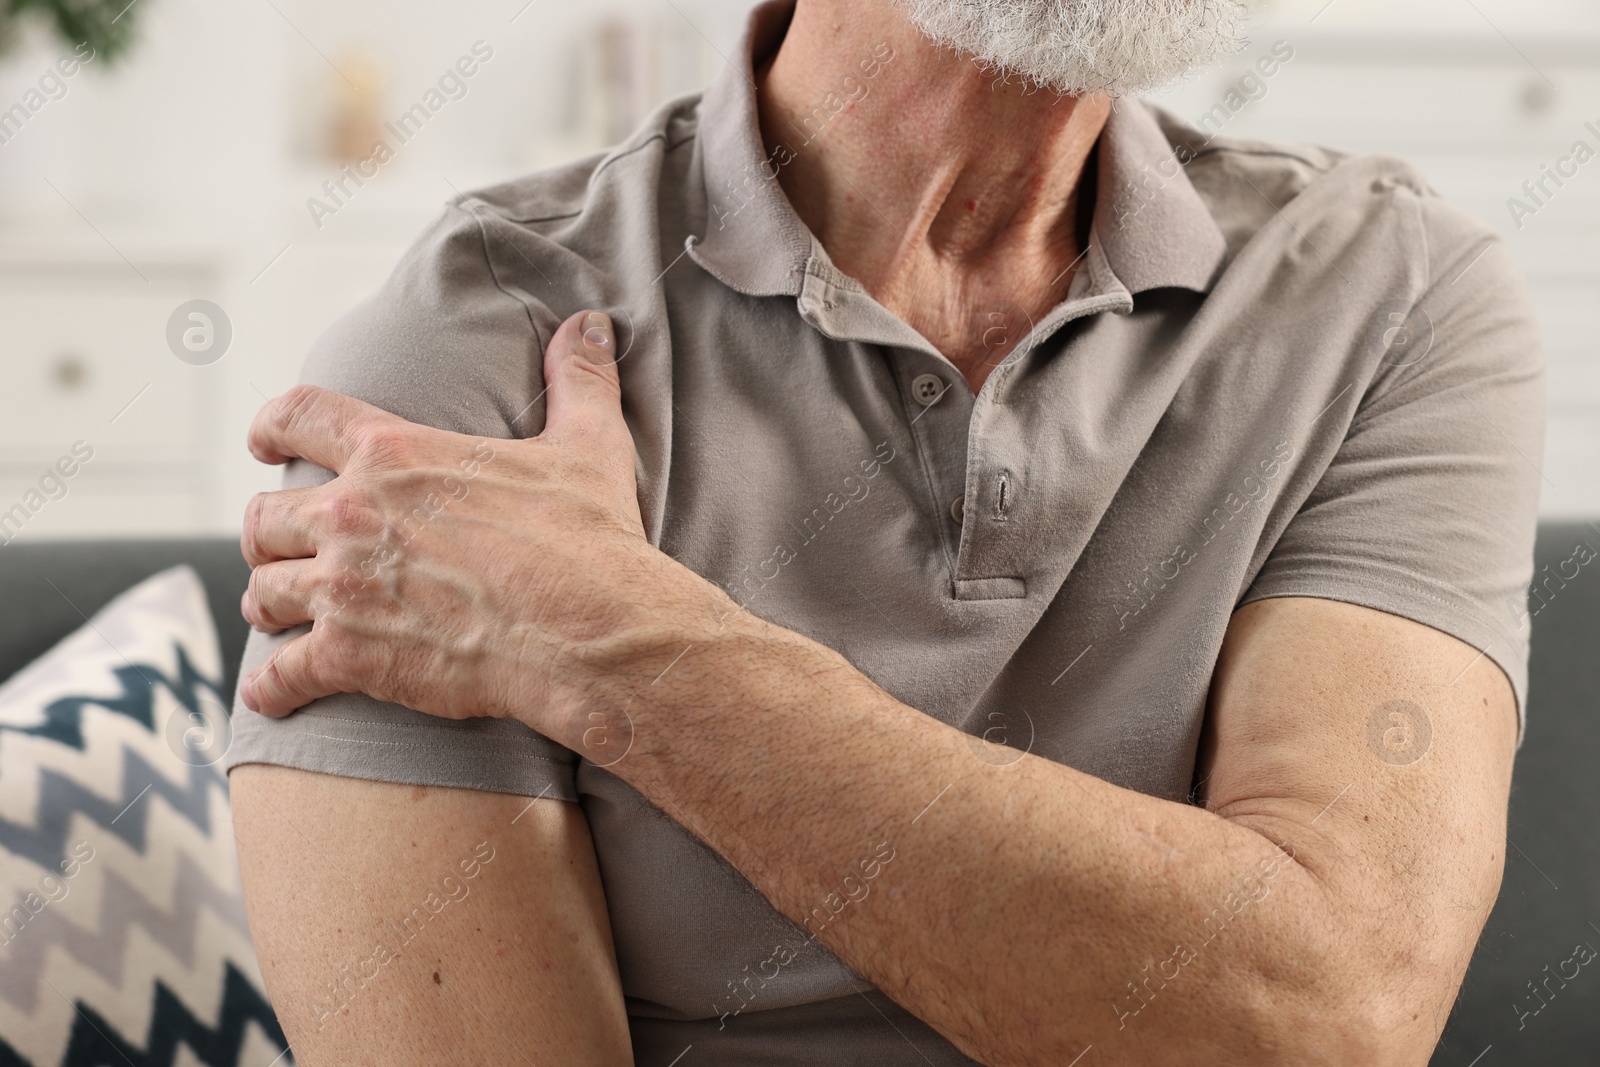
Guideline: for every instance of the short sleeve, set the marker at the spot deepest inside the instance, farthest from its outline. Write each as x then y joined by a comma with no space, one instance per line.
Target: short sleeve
1428,509
442,344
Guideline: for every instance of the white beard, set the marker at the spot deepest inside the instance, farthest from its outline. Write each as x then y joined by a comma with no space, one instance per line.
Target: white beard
1079,47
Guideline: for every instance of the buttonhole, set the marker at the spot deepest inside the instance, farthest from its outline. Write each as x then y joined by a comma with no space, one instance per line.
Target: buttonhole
1000,500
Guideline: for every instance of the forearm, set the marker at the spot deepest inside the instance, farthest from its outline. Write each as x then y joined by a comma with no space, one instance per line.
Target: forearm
1028,911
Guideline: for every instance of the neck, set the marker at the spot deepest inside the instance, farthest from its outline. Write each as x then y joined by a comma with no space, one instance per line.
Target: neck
950,195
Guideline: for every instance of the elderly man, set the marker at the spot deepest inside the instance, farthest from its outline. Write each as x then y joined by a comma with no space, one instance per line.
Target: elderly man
916,557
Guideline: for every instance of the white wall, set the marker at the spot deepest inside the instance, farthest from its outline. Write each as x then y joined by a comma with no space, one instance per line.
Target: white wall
185,173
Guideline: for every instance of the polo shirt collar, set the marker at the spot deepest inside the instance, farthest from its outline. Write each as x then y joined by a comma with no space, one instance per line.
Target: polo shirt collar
1150,227
754,242
1152,224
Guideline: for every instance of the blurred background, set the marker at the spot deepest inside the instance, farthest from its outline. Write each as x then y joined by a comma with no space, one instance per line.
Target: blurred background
171,240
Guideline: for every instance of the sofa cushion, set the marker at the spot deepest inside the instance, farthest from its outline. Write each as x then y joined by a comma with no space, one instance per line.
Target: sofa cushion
122,926
57,584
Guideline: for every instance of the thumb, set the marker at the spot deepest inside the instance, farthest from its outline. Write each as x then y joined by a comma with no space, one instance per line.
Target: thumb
580,375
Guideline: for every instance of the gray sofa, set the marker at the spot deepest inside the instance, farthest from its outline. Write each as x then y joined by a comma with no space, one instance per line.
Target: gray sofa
1549,904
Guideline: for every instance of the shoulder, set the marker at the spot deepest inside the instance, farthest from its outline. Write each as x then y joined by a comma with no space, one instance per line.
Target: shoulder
1351,197
1354,262
455,336
1367,231
644,161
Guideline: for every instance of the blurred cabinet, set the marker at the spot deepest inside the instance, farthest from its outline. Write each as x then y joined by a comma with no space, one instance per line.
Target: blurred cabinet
87,360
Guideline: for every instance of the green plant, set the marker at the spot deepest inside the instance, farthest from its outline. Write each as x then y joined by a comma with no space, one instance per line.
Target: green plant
104,25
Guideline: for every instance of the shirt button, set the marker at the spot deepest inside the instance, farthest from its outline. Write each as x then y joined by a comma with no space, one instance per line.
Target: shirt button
956,510
927,388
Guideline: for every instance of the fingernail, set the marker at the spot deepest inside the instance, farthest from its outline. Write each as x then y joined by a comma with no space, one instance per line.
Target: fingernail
247,693
598,338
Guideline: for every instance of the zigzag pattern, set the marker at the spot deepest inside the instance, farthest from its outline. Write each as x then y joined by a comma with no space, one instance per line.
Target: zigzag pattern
95,1043
62,799
63,719
151,925
103,948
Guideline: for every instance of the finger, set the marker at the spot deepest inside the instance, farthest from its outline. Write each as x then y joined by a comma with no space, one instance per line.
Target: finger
277,526
287,681
315,424
580,372
279,595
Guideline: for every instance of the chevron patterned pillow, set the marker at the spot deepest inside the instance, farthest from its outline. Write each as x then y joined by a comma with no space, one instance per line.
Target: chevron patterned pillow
122,927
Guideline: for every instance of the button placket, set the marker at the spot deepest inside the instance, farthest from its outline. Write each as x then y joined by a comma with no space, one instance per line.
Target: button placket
987,505
938,411
982,517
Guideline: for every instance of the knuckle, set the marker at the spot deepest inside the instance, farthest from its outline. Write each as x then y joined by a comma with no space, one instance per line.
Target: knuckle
332,658
271,683
250,537
296,400
384,445
295,666
304,669
345,514
605,374
257,613
295,406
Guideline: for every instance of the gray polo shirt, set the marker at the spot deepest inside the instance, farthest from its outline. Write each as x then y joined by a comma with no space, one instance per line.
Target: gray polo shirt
1280,371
